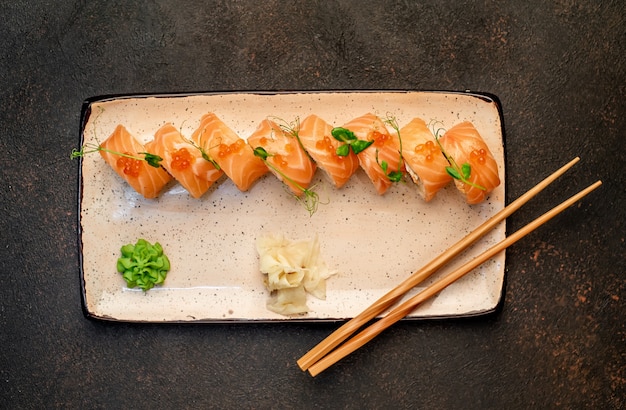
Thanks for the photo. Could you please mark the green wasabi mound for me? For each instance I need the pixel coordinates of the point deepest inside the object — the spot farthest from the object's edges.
(143, 264)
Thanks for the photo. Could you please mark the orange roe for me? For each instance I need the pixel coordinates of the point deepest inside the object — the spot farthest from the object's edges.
(429, 150)
(280, 160)
(326, 144)
(237, 145)
(181, 159)
(130, 166)
(379, 138)
(478, 155)
(226, 149)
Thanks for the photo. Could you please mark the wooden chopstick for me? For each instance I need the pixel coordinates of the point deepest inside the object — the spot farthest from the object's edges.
(408, 306)
(390, 298)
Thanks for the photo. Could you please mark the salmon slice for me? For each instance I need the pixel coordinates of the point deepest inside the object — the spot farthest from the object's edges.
(232, 154)
(464, 145)
(317, 140)
(425, 162)
(143, 177)
(184, 161)
(369, 127)
(288, 160)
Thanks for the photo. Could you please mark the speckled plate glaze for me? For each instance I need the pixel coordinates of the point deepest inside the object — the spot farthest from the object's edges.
(373, 241)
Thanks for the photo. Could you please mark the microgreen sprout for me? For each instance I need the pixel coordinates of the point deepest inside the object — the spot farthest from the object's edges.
(151, 159)
(89, 148)
(292, 129)
(310, 199)
(350, 141)
(203, 150)
(461, 173)
(394, 176)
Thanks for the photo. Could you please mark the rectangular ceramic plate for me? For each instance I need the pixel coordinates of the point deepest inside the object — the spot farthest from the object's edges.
(373, 241)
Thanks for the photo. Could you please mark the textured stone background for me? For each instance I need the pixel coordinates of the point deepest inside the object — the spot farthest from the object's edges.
(559, 70)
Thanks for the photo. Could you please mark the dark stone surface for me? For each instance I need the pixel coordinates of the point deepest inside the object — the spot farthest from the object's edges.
(559, 69)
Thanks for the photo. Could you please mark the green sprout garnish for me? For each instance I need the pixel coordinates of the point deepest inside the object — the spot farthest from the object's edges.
(203, 150)
(151, 159)
(143, 264)
(310, 200)
(205, 154)
(461, 173)
(292, 129)
(350, 141)
(394, 176)
(88, 148)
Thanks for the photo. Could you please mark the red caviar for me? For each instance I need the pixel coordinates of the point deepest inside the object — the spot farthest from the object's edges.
(379, 138)
(327, 145)
(280, 160)
(478, 155)
(130, 166)
(181, 159)
(429, 150)
(227, 149)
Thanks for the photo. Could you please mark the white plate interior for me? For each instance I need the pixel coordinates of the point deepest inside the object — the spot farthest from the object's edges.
(373, 241)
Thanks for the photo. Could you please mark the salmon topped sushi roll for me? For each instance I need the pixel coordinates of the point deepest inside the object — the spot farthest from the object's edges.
(234, 156)
(138, 173)
(184, 161)
(464, 145)
(425, 162)
(385, 149)
(286, 158)
(315, 136)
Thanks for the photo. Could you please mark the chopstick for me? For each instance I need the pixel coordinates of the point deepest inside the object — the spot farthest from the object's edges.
(391, 297)
(408, 306)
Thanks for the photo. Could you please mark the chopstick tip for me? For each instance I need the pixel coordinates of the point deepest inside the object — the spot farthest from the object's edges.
(302, 365)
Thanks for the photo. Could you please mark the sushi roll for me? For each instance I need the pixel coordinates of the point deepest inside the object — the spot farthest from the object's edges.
(316, 138)
(462, 144)
(424, 160)
(286, 158)
(184, 161)
(141, 176)
(232, 154)
(385, 149)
